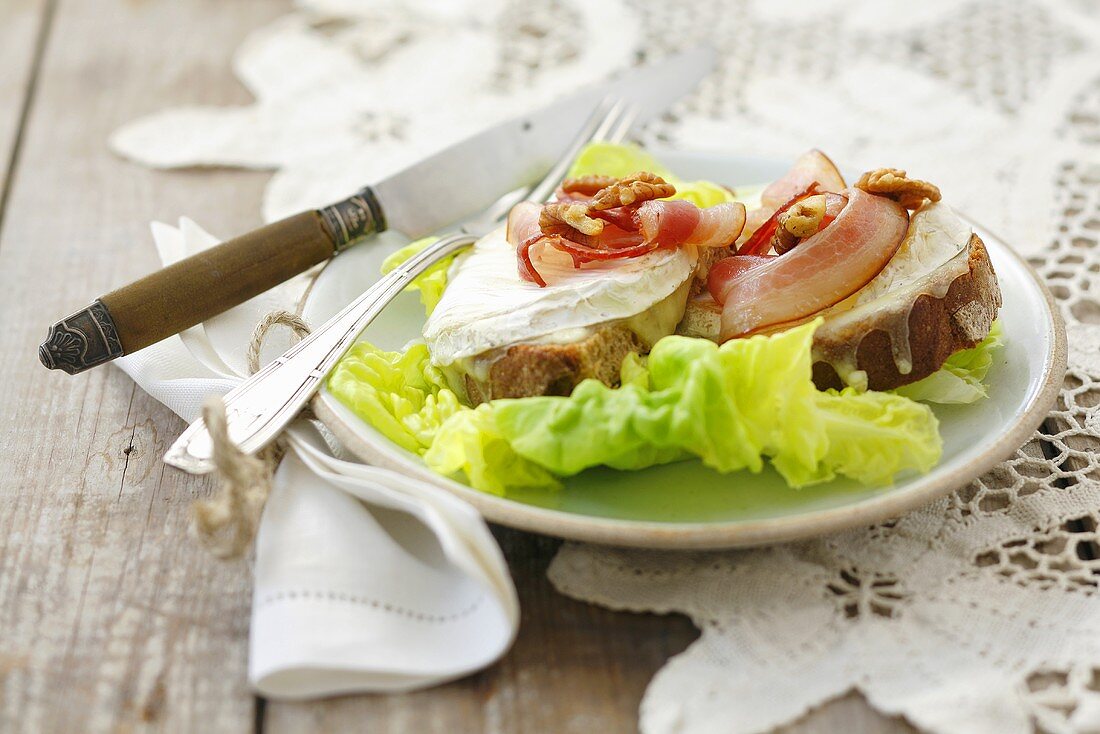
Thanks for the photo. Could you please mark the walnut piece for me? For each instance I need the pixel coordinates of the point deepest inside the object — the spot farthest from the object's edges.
(634, 189)
(572, 220)
(588, 185)
(893, 184)
(560, 217)
(804, 217)
(802, 220)
(783, 241)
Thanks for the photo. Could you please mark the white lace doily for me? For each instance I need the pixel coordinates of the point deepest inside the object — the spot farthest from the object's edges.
(978, 613)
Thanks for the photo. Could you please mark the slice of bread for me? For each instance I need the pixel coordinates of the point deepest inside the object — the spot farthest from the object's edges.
(524, 370)
(898, 338)
(906, 336)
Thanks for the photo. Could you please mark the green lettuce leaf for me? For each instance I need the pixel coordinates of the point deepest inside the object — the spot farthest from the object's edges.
(872, 436)
(961, 379)
(407, 400)
(399, 393)
(732, 406)
(633, 371)
(470, 443)
(432, 282)
(610, 159)
(625, 428)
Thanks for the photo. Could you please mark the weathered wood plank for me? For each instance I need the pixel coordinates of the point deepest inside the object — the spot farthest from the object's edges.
(109, 617)
(22, 26)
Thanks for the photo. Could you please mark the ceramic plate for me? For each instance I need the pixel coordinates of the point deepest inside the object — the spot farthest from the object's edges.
(686, 505)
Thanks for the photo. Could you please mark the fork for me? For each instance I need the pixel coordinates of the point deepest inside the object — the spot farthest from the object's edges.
(260, 408)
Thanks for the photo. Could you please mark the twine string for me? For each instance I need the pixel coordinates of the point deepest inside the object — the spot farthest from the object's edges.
(226, 523)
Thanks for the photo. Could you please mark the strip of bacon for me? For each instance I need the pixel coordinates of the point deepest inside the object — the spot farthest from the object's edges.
(761, 240)
(728, 268)
(623, 217)
(674, 223)
(630, 231)
(834, 204)
(589, 254)
(524, 233)
(812, 167)
(822, 270)
(615, 237)
(526, 268)
(523, 222)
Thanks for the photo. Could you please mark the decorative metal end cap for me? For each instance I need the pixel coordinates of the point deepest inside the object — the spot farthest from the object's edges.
(352, 219)
(81, 341)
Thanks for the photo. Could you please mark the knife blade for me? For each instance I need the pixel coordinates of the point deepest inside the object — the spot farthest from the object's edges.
(501, 158)
(521, 150)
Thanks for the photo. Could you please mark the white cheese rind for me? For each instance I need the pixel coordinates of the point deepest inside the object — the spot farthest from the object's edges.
(487, 305)
(936, 235)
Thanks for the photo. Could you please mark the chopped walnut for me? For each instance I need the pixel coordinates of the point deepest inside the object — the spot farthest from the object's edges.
(802, 220)
(589, 185)
(634, 189)
(804, 217)
(568, 218)
(893, 184)
(783, 241)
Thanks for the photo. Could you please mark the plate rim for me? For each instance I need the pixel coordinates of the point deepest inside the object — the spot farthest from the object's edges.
(728, 534)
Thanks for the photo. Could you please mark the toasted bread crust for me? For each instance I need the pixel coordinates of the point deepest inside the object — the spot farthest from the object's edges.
(555, 369)
(938, 327)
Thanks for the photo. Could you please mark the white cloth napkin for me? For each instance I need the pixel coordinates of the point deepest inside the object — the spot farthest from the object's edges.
(365, 579)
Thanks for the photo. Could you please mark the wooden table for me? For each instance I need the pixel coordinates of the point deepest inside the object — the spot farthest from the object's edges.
(110, 617)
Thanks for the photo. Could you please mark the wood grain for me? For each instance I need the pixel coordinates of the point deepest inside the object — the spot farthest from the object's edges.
(22, 37)
(109, 617)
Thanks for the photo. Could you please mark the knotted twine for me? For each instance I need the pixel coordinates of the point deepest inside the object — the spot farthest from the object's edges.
(226, 523)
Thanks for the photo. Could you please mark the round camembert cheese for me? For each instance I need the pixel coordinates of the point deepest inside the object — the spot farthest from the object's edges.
(487, 305)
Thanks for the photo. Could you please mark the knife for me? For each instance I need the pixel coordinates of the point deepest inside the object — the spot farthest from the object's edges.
(446, 187)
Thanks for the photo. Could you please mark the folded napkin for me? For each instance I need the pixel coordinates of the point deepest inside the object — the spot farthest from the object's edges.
(365, 579)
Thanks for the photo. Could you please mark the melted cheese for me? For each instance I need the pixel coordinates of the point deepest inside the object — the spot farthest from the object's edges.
(487, 305)
(933, 254)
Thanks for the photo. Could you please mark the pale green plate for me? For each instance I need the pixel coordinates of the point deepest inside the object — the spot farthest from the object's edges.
(686, 505)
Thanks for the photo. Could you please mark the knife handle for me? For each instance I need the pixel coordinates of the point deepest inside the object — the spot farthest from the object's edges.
(205, 284)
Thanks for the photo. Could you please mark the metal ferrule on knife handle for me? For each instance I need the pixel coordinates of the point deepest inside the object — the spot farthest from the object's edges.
(352, 219)
(199, 287)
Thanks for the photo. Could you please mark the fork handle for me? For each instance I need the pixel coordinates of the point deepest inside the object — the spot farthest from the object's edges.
(263, 405)
(196, 288)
